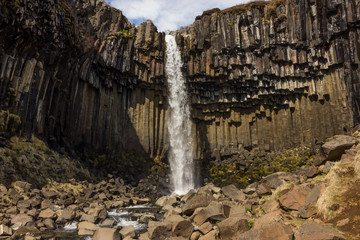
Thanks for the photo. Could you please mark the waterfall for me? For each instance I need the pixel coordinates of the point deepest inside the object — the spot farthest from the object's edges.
(179, 123)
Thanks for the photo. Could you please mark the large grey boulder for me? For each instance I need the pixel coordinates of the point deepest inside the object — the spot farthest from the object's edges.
(334, 148)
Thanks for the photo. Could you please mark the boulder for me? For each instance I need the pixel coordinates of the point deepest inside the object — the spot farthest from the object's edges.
(5, 230)
(25, 186)
(205, 228)
(268, 219)
(86, 228)
(278, 231)
(65, 215)
(21, 220)
(106, 234)
(49, 194)
(146, 218)
(233, 226)
(295, 198)
(199, 200)
(195, 236)
(49, 223)
(309, 208)
(180, 226)
(315, 231)
(336, 146)
(214, 211)
(160, 231)
(47, 213)
(23, 204)
(263, 189)
(128, 231)
(107, 223)
(237, 211)
(234, 193)
(213, 235)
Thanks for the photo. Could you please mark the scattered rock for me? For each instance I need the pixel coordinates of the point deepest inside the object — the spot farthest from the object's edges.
(128, 231)
(337, 145)
(315, 231)
(106, 234)
(5, 230)
(86, 228)
(232, 227)
(199, 200)
(233, 193)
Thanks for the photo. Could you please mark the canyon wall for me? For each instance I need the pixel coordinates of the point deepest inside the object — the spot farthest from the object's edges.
(267, 75)
(80, 75)
(273, 75)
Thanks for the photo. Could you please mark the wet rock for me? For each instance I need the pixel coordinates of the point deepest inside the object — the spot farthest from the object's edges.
(106, 234)
(315, 231)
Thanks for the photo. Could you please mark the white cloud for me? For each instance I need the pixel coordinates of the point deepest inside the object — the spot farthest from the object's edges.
(169, 14)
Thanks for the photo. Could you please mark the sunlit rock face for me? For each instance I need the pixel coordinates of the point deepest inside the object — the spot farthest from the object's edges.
(267, 75)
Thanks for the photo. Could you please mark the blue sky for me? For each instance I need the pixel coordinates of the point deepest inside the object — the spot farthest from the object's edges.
(168, 14)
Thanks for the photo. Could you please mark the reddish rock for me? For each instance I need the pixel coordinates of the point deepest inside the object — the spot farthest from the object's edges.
(315, 231)
(233, 226)
(106, 234)
(205, 228)
(234, 193)
(295, 198)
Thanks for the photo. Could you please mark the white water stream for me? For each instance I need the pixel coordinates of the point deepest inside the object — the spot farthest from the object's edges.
(179, 123)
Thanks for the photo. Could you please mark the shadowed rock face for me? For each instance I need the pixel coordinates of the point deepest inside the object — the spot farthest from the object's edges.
(263, 75)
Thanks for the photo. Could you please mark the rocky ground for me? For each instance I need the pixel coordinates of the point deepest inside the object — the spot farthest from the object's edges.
(315, 202)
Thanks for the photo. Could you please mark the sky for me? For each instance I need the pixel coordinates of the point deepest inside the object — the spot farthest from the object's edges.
(168, 14)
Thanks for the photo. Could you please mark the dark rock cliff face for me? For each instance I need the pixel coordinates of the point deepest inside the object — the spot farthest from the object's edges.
(80, 75)
(267, 75)
(273, 75)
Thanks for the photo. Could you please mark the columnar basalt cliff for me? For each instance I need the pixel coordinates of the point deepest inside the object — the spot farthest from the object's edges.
(267, 75)
(273, 75)
(82, 76)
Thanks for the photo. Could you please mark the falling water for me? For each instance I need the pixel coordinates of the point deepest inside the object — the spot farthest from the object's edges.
(179, 123)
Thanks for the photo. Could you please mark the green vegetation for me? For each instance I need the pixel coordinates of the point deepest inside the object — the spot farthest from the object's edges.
(251, 224)
(10, 124)
(124, 34)
(231, 171)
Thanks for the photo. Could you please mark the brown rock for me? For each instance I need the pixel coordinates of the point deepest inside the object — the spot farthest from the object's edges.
(86, 228)
(315, 231)
(199, 200)
(232, 192)
(128, 231)
(263, 189)
(160, 231)
(49, 194)
(205, 228)
(233, 226)
(49, 223)
(65, 215)
(214, 211)
(106, 234)
(180, 226)
(21, 220)
(213, 235)
(278, 231)
(268, 219)
(335, 147)
(309, 208)
(295, 198)
(47, 213)
(5, 230)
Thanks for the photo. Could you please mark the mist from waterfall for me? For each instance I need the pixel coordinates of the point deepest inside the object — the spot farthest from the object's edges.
(179, 123)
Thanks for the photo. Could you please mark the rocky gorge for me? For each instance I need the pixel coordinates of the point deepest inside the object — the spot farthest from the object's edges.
(273, 86)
